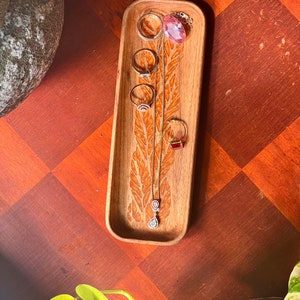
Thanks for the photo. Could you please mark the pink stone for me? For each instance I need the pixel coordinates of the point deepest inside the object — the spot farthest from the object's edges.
(174, 29)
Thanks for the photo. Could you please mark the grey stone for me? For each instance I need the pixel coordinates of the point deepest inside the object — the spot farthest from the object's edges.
(29, 38)
(3, 8)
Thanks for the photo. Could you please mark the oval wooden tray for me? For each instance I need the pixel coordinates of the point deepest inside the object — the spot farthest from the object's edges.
(131, 173)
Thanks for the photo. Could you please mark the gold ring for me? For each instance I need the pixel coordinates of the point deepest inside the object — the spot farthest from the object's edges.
(144, 61)
(149, 26)
(175, 133)
(142, 96)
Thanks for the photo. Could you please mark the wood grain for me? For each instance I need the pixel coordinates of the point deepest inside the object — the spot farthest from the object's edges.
(141, 285)
(88, 167)
(130, 145)
(20, 167)
(276, 171)
(252, 217)
(151, 141)
(218, 5)
(111, 11)
(248, 116)
(218, 168)
(60, 97)
(293, 6)
(241, 244)
(49, 225)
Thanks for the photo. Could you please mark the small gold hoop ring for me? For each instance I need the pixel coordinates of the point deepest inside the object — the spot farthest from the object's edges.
(142, 96)
(144, 62)
(149, 26)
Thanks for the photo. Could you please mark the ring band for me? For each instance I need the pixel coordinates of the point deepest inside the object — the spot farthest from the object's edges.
(184, 18)
(176, 137)
(144, 61)
(142, 96)
(149, 26)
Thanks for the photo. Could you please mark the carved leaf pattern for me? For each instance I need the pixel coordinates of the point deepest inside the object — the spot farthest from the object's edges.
(150, 142)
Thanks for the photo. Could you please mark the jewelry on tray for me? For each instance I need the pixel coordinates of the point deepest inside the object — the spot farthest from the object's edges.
(149, 26)
(154, 28)
(142, 96)
(177, 26)
(144, 62)
(154, 222)
(175, 133)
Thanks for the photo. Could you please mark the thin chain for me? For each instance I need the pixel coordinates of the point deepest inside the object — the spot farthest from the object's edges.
(162, 118)
(159, 48)
(153, 139)
(156, 201)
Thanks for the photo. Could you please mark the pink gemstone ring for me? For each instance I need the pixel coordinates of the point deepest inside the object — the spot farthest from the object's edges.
(177, 26)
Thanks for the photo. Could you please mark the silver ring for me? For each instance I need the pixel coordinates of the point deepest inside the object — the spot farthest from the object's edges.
(183, 17)
(142, 96)
(149, 26)
(176, 135)
(144, 62)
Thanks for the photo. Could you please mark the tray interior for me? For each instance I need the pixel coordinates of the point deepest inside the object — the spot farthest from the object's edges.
(137, 172)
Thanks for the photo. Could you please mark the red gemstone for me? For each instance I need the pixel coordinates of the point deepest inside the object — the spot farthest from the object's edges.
(176, 145)
(174, 29)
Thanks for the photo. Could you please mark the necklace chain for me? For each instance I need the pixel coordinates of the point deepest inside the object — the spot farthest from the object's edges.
(160, 130)
(159, 86)
(156, 201)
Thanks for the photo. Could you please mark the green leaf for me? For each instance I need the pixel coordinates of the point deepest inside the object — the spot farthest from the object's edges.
(63, 297)
(87, 292)
(292, 296)
(295, 288)
(118, 292)
(294, 280)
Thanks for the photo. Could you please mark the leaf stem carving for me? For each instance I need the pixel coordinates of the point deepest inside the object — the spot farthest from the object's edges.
(151, 150)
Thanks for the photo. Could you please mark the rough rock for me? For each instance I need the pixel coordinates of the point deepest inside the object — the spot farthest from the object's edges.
(29, 37)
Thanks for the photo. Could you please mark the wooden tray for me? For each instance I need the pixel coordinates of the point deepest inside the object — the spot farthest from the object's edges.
(131, 174)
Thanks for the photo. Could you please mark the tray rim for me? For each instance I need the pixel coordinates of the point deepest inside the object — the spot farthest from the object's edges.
(182, 233)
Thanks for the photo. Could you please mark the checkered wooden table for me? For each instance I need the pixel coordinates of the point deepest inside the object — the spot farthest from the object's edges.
(243, 238)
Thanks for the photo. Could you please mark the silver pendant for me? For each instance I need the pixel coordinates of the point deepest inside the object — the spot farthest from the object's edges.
(153, 223)
(143, 107)
(155, 205)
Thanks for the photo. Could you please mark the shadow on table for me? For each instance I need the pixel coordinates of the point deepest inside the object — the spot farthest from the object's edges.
(14, 285)
(200, 174)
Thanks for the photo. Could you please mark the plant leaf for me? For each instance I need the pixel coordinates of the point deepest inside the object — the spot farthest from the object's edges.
(63, 297)
(87, 292)
(292, 296)
(118, 292)
(295, 288)
(294, 280)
